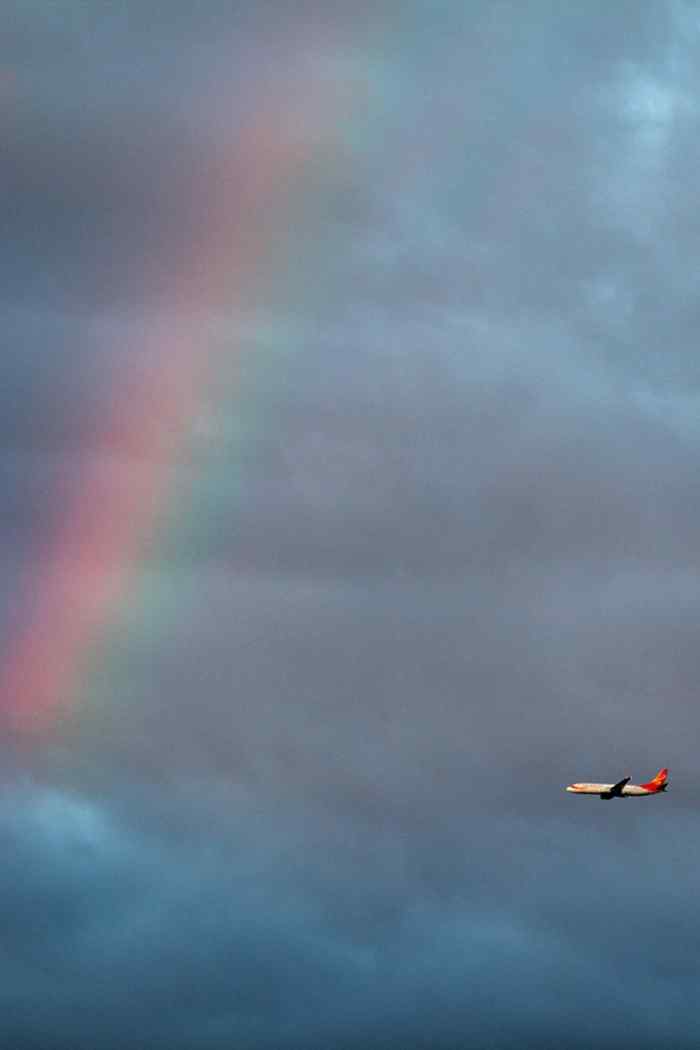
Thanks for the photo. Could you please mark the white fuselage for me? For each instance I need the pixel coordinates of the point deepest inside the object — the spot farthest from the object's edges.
(599, 789)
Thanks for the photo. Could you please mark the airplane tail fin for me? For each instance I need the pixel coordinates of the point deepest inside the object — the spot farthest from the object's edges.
(659, 781)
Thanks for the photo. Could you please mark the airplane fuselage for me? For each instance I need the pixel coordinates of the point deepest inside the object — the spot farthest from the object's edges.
(604, 789)
(623, 788)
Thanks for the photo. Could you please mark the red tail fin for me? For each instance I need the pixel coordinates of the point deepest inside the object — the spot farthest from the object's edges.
(659, 781)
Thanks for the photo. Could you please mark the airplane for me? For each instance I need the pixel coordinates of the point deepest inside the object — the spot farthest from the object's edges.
(623, 788)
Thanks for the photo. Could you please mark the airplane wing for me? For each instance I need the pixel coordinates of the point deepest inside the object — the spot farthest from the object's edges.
(616, 789)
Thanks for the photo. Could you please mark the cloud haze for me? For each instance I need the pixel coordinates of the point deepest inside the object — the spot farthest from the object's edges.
(349, 439)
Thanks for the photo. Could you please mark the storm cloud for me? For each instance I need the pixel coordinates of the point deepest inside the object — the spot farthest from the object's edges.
(423, 545)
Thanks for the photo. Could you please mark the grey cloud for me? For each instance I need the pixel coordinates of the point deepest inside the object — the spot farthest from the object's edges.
(431, 551)
(430, 469)
(181, 950)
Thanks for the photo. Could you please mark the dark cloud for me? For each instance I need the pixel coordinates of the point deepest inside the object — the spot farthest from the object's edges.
(429, 550)
(135, 940)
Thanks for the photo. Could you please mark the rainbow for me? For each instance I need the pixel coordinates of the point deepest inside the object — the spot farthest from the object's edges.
(98, 546)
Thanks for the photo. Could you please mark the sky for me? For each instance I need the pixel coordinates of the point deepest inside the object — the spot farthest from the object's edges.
(349, 438)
